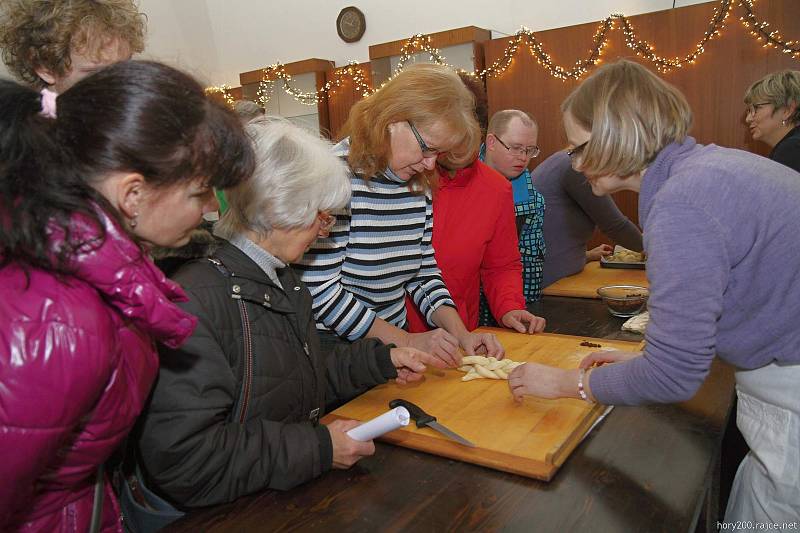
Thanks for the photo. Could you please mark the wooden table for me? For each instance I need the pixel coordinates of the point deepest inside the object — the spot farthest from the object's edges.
(584, 284)
(642, 469)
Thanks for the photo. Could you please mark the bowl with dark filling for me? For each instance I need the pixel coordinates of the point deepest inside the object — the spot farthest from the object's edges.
(624, 301)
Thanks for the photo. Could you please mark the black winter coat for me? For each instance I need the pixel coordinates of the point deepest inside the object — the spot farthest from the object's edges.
(227, 419)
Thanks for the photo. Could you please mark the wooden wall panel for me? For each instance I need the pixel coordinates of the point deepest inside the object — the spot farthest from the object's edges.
(439, 40)
(714, 85)
(341, 99)
(251, 80)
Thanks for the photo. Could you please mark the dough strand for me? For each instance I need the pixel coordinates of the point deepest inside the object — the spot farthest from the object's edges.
(478, 366)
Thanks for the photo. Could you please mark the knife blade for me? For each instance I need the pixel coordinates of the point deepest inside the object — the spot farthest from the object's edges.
(423, 419)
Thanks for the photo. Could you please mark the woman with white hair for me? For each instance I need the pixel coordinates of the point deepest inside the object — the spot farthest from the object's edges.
(236, 409)
(720, 232)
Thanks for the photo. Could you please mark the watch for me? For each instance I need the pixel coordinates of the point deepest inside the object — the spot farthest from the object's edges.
(351, 24)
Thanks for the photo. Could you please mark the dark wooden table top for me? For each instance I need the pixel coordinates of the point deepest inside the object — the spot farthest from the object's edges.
(642, 469)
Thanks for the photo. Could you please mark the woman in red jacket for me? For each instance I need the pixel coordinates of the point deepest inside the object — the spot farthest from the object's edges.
(475, 239)
(123, 160)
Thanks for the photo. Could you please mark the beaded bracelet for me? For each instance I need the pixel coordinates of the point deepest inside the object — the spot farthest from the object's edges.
(581, 390)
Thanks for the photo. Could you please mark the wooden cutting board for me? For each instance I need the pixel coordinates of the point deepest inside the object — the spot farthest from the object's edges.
(585, 284)
(532, 439)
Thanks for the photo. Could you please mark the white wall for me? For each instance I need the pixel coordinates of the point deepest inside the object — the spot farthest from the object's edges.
(218, 39)
(179, 33)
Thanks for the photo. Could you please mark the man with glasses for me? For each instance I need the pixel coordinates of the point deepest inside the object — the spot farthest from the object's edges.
(510, 145)
(475, 240)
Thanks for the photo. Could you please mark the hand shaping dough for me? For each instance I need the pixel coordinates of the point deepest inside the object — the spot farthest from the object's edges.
(478, 366)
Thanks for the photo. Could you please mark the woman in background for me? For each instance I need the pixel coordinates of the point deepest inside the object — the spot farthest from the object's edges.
(124, 160)
(773, 115)
(723, 254)
(247, 110)
(380, 248)
(572, 214)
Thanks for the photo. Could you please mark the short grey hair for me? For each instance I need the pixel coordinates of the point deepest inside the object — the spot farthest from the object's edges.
(297, 175)
(247, 110)
(781, 89)
(499, 122)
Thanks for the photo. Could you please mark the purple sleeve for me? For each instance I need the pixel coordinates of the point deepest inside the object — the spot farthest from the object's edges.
(688, 270)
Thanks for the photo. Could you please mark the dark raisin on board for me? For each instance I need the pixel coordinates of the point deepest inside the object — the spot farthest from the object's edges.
(591, 344)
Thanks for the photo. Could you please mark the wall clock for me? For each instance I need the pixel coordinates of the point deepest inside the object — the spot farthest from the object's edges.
(351, 24)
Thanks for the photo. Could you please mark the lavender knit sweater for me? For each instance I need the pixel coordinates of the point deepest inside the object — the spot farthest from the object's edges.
(722, 235)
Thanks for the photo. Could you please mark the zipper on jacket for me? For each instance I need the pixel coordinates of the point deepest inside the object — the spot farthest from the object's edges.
(313, 414)
(248, 361)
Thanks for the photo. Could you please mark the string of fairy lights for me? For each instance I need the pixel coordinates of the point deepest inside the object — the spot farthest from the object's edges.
(276, 73)
(224, 90)
(526, 36)
(663, 64)
(771, 39)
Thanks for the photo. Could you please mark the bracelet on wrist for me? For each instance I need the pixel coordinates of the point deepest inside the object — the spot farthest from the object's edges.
(581, 389)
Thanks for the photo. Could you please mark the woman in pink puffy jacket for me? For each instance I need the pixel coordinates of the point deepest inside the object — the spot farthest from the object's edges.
(124, 160)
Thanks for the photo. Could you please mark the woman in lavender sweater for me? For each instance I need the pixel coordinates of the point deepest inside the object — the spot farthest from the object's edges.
(720, 231)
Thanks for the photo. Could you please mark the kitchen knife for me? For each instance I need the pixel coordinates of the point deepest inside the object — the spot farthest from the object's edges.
(423, 419)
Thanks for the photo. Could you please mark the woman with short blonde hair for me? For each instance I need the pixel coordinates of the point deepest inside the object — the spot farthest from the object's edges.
(773, 115)
(632, 114)
(723, 252)
(380, 248)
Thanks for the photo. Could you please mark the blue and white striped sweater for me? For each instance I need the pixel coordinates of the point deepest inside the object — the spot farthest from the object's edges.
(379, 249)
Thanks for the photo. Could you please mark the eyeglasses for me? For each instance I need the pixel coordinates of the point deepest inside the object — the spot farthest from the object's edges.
(575, 152)
(326, 223)
(427, 151)
(529, 152)
(752, 109)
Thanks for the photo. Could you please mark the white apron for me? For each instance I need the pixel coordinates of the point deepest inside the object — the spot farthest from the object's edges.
(767, 485)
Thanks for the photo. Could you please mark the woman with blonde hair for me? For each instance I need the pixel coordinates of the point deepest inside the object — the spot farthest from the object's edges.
(773, 115)
(380, 249)
(720, 229)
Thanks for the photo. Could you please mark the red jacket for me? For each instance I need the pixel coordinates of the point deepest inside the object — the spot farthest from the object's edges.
(77, 361)
(475, 242)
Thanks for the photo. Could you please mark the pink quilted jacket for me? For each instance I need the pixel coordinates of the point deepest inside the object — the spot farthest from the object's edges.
(77, 360)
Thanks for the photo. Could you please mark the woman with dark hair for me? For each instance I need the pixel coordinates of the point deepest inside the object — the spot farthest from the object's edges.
(124, 160)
